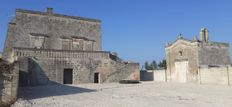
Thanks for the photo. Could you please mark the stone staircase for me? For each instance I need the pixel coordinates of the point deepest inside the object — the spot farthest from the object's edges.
(122, 72)
(40, 77)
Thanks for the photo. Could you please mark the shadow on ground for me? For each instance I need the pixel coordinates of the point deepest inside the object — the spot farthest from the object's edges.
(34, 83)
(50, 91)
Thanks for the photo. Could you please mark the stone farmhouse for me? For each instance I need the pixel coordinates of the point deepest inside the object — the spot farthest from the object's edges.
(186, 57)
(55, 48)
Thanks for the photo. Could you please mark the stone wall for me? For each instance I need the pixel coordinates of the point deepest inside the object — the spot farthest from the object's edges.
(146, 75)
(120, 71)
(154, 75)
(33, 29)
(159, 75)
(215, 75)
(182, 50)
(214, 54)
(9, 43)
(46, 44)
(8, 82)
(195, 53)
(42, 66)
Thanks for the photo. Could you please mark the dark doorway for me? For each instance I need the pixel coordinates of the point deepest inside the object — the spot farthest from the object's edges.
(23, 79)
(96, 77)
(68, 76)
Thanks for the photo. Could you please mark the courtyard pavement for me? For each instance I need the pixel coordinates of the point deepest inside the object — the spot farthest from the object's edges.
(146, 94)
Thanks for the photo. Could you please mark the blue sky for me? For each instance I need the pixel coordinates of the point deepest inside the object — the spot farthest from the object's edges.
(137, 29)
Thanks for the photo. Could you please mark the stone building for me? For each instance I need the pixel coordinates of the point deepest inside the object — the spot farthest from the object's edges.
(185, 57)
(56, 48)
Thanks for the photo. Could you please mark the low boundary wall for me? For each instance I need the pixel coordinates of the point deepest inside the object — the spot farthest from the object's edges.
(153, 75)
(215, 75)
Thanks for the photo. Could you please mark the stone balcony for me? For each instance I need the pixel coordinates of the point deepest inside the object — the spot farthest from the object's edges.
(48, 53)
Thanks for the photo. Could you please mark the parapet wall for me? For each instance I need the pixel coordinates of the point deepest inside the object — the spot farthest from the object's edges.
(214, 54)
(217, 44)
(46, 53)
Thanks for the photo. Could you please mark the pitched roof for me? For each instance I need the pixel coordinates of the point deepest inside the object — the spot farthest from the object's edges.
(181, 38)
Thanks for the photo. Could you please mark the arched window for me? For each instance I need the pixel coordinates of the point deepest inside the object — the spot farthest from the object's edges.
(180, 53)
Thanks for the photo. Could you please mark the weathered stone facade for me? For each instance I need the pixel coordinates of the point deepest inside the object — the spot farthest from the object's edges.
(9, 74)
(184, 57)
(52, 48)
(45, 30)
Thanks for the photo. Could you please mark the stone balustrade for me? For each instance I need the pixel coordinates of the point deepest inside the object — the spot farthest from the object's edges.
(48, 53)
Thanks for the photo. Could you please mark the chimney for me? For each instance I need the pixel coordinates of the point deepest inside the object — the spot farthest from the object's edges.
(49, 10)
(204, 35)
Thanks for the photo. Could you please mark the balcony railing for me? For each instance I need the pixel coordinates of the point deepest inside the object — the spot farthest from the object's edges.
(48, 53)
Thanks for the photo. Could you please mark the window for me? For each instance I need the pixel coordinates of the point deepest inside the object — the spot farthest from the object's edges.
(89, 45)
(77, 44)
(37, 42)
(180, 53)
(66, 44)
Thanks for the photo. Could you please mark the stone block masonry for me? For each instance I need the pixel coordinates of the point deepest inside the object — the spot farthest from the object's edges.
(215, 75)
(9, 74)
(54, 48)
(158, 75)
(46, 66)
(184, 57)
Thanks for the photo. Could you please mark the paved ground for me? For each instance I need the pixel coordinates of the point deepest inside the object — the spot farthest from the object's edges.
(148, 94)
